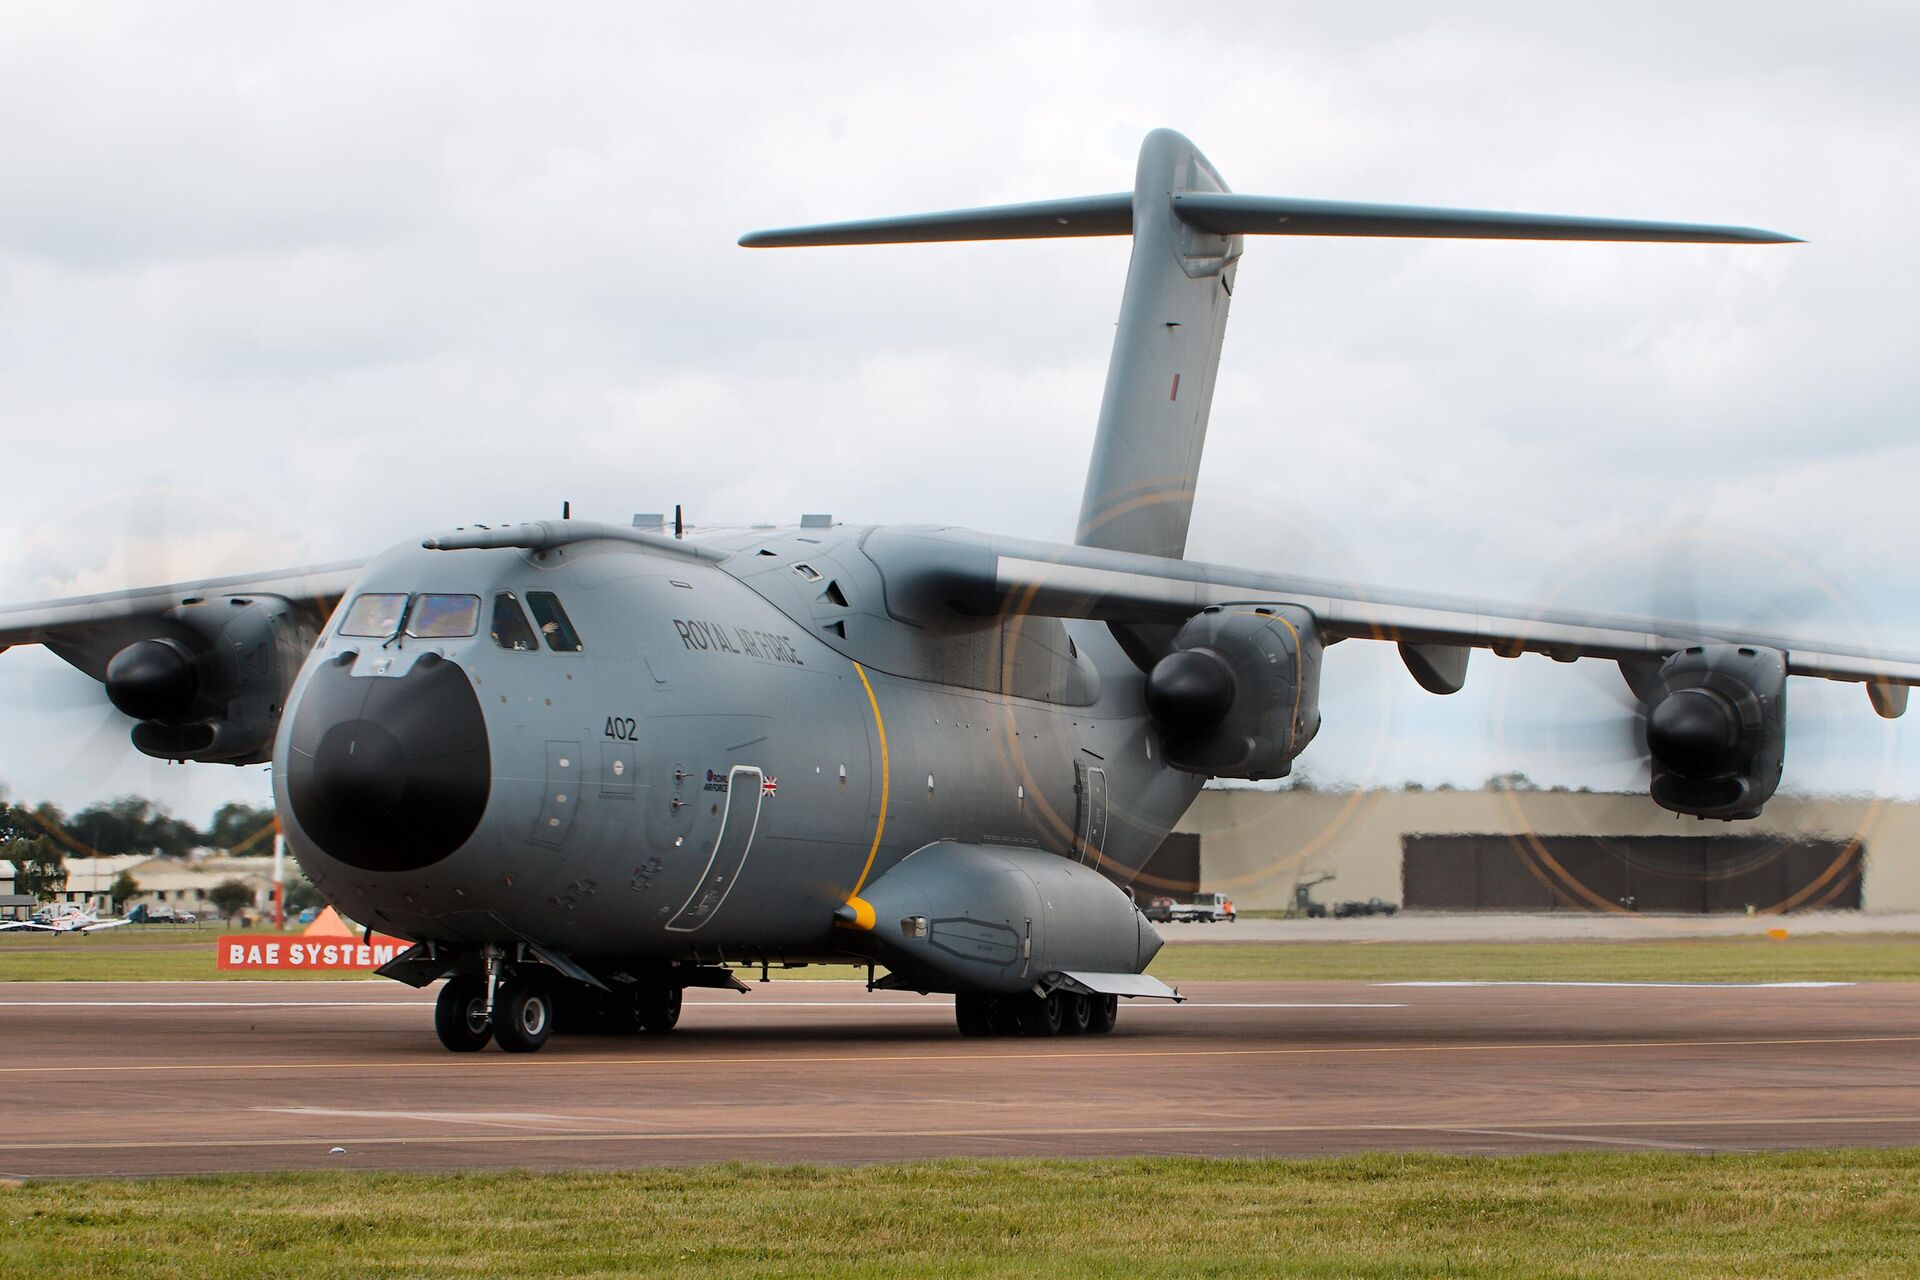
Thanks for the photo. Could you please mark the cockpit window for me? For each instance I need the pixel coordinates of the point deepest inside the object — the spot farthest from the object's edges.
(552, 621)
(510, 627)
(374, 615)
(443, 617)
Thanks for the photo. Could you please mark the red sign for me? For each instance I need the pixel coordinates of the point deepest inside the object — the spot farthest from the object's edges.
(240, 951)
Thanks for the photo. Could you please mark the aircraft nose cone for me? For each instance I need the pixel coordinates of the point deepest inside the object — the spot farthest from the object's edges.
(389, 774)
(1695, 733)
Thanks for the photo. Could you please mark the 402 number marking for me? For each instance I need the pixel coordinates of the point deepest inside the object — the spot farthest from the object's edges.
(622, 728)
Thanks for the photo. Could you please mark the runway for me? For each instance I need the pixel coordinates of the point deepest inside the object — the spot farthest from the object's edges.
(154, 1078)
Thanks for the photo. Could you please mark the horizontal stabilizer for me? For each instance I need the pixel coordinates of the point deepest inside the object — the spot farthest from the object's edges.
(1110, 215)
(1229, 214)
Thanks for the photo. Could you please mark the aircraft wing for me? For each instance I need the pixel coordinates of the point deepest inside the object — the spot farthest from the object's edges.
(982, 574)
(11, 925)
(87, 631)
(98, 925)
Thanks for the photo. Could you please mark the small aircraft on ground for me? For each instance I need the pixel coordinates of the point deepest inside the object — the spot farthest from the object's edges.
(585, 766)
(64, 917)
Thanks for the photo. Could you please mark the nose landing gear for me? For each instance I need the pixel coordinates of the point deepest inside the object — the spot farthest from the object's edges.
(460, 1015)
(529, 1006)
(522, 1015)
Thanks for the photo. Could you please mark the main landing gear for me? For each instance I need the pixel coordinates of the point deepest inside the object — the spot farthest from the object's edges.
(1056, 1013)
(530, 1007)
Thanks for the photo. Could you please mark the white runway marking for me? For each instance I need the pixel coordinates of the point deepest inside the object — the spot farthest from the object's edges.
(934, 1005)
(1276, 1004)
(1646, 985)
(214, 1004)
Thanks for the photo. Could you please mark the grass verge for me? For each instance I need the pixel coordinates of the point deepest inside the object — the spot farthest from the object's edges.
(1801, 1214)
(1871, 957)
(153, 953)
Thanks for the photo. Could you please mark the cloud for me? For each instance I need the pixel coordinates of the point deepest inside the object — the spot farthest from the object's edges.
(333, 278)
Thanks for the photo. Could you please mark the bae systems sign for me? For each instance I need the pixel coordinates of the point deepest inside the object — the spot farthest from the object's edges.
(242, 952)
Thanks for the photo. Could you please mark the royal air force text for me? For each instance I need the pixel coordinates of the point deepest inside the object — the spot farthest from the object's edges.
(713, 637)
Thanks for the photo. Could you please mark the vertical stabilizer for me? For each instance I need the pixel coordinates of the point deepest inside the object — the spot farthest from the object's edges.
(1166, 355)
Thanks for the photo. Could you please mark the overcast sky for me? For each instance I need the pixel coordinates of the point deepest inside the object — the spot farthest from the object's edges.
(285, 284)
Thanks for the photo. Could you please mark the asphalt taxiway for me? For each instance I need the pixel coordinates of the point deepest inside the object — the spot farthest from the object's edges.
(148, 1078)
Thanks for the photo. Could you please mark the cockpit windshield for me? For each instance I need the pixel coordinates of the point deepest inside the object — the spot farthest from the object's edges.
(553, 622)
(443, 617)
(376, 615)
(510, 628)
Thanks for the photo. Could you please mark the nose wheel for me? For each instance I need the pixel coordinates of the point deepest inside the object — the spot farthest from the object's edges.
(460, 1015)
(522, 1015)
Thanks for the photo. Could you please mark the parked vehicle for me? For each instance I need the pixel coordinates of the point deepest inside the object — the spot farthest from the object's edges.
(1158, 909)
(1371, 907)
(160, 915)
(1205, 908)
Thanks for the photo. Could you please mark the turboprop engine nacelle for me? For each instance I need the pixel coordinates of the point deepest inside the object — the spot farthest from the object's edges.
(971, 917)
(212, 685)
(1238, 695)
(1716, 729)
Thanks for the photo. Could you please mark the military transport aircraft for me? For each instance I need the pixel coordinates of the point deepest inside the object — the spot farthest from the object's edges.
(585, 766)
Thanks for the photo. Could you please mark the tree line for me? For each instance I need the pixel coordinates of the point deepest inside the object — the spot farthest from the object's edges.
(38, 839)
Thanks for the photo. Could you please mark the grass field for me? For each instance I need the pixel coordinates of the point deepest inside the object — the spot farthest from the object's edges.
(1878, 957)
(158, 953)
(187, 953)
(1804, 1214)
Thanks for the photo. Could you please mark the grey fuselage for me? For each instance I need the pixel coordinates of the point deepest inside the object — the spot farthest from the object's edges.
(776, 693)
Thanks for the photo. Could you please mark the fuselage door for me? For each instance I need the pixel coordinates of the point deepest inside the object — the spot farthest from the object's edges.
(730, 849)
(1092, 826)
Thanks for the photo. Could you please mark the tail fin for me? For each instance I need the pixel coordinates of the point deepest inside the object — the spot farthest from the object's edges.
(1186, 227)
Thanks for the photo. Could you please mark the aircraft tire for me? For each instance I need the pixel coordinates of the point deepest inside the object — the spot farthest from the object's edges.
(1076, 1012)
(1104, 1011)
(619, 1014)
(522, 1015)
(578, 1010)
(460, 1016)
(1038, 1016)
(657, 1009)
(974, 1013)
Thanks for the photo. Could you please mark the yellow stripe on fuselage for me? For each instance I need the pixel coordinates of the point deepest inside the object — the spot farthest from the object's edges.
(886, 780)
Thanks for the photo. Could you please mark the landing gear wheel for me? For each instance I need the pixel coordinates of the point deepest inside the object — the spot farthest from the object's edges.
(522, 1016)
(1102, 1011)
(1038, 1015)
(657, 1009)
(1076, 1012)
(460, 1015)
(974, 1012)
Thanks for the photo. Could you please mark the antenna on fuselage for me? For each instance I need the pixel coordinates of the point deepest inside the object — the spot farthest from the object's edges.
(679, 525)
(566, 510)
